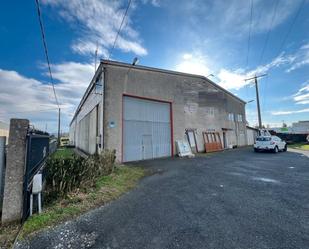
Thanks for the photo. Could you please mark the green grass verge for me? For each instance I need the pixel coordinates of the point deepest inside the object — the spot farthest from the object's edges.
(107, 188)
(301, 146)
(63, 153)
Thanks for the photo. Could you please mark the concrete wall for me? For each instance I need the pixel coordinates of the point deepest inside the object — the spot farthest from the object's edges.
(196, 104)
(251, 135)
(15, 169)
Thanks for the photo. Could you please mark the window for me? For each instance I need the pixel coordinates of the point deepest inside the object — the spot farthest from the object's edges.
(210, 111)
(239, 118)
(231, 117)
(263, 139)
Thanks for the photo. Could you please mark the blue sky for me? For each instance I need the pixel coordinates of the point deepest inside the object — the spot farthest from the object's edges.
(197, 36)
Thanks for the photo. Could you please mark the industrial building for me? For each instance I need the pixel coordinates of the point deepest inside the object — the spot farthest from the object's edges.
(141, 112)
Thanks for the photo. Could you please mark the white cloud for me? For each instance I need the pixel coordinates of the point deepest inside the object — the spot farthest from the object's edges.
(301, 58)
(290, 112)
(98, 22)
(197, 63)
(302, 96)
(194, 63)
(24, 97)
(235, 79)
(232, 79)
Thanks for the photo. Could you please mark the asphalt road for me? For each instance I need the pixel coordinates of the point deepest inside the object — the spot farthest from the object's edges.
(233, 199)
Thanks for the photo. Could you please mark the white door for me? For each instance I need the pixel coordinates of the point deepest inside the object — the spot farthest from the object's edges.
(147, 147)
(146, 129)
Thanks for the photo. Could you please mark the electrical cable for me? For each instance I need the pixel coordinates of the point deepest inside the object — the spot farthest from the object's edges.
(249, 36)
(269, 32)
(46, 50)
(291, 26)
(120, 27)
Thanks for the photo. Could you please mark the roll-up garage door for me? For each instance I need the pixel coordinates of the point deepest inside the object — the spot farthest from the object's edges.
(146, 129)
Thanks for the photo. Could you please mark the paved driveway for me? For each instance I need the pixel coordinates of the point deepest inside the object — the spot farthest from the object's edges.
(234, 199)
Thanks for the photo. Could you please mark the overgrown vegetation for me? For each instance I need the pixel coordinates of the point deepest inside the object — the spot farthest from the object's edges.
(106, 189)
(75, 185)
(66, 172)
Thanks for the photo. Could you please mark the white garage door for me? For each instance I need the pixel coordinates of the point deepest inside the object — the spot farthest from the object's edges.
(146, 129)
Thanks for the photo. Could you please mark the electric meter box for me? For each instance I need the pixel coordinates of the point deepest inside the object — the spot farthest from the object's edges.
(37, 184)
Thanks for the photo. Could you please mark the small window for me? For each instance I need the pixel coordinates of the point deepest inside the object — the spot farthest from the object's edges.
(231, 117)
(239, 118)
(210, 111)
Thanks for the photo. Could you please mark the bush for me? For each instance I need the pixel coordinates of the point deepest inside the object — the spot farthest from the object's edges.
(66, 174)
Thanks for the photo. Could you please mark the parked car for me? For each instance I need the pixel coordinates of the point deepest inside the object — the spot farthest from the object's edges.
(270, 143)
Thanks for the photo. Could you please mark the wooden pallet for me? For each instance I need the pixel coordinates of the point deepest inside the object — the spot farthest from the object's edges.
(212, 141)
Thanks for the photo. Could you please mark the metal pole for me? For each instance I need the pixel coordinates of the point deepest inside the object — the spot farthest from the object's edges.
(258, 102)
(58, 127)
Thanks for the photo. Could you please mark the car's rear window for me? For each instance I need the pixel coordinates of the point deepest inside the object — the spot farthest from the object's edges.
(263, 139)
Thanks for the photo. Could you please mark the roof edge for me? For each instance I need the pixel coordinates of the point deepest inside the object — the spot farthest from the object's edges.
(153, 69)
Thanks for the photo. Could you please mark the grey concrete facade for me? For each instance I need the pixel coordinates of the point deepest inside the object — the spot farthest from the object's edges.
(197, 103)
(14, 174)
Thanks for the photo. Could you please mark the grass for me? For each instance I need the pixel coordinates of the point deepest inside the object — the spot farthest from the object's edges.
(302, 146)
(63, 153)
(106, 189)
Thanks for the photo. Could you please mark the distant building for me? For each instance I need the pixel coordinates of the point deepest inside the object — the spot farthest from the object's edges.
(4, 130)
(301, 127)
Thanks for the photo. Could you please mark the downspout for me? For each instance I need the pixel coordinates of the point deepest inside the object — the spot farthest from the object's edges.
(103, 108)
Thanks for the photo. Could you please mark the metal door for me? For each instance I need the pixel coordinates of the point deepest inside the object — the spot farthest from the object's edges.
(147, 147)
(146, 129)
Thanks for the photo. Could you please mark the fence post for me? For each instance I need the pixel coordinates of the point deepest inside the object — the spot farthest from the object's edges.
(15, 170)
(2, 168)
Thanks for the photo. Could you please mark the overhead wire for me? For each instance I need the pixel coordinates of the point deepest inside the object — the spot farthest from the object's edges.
(263, 91)
(285, 38)
(119, 30)
(249, 41)
(269, 32)
(46, 51)
(289, 30)
(249, 36)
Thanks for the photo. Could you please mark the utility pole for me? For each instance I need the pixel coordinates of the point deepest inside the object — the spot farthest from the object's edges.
(257, 97)
(58, 127)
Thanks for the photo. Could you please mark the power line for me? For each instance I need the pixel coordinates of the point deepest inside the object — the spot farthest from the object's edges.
(46, 51)
(120, 27)
(269, 31)
(291, 26)
(249, 36)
